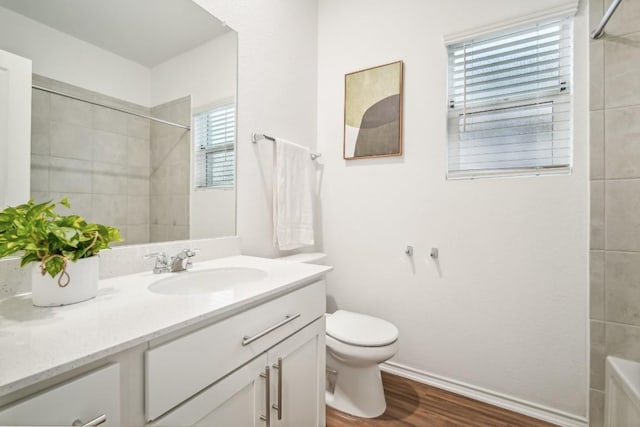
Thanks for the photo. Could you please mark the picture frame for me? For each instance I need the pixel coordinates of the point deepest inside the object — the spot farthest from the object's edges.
(373, 112)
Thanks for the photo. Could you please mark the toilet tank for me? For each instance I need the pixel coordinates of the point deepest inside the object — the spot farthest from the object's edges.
(307, 257)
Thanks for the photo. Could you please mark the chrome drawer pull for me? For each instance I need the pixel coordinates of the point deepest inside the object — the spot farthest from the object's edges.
(249, 340)
(267, 396)
(278, 406)
(95, 422)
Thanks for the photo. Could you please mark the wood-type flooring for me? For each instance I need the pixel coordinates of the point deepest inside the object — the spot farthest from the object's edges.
(412, 404)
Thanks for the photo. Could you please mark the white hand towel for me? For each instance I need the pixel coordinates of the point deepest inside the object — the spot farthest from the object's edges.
(292, 196)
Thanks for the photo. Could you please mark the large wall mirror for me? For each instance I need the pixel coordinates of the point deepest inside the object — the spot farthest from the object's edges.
(133, 112)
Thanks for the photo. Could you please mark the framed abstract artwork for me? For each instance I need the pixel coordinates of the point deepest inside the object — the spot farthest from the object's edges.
(373, 112)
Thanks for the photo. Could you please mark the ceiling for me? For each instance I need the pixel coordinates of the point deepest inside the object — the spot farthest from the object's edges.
(148, 32)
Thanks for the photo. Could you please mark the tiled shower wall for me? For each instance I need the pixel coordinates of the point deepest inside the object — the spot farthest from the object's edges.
(116, 168)
(170, 177)
(96, 156)
(615, 193)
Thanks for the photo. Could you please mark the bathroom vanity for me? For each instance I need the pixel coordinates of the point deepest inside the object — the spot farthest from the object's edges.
(249, 352)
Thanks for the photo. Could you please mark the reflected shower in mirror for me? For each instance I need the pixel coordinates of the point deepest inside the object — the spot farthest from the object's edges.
(133, 112)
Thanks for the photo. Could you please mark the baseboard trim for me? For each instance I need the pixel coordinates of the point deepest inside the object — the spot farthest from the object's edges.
(497, 399)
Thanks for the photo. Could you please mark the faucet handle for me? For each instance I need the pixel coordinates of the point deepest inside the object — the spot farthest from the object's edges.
(162, 264)
(190, 253)
(159, 256)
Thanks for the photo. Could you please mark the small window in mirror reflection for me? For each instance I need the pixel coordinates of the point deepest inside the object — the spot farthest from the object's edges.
(214, 135)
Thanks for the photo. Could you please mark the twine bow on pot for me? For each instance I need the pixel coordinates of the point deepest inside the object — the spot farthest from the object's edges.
(64, 274)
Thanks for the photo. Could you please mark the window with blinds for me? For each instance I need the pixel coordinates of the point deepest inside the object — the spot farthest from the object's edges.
(510, 102)
(214, 136)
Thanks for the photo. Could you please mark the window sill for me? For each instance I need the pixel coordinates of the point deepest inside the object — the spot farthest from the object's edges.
(221, 188)
(510, 173)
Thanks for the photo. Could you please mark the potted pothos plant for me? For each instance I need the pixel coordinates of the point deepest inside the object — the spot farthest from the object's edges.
(62, 249)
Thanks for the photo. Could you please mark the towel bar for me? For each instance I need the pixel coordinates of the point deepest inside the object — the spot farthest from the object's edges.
(255, 137)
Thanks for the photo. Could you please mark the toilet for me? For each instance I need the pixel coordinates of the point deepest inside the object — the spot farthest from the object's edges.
(356, 345)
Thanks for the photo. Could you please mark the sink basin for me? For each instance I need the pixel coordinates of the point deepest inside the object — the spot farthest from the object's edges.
(206, 281)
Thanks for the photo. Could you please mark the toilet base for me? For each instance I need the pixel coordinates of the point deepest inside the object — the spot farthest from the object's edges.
(358, 389)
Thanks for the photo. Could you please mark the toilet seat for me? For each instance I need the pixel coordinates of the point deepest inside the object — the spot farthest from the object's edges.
(360, 330)
(354, 355)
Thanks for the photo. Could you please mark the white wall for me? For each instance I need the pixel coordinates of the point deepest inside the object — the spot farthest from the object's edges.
(207, 73)
(277, 59)
(61, 57)
(505, 307)
(212, 213)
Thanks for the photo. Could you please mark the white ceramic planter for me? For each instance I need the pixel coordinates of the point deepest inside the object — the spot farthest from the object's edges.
(83, 284)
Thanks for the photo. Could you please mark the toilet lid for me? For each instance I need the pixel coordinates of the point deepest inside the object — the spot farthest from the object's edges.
(360, 329)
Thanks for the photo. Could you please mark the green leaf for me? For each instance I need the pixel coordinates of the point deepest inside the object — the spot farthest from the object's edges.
(42, 233)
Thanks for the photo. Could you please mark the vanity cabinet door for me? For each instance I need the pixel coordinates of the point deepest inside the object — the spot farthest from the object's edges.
(238, 400)
(298, 378)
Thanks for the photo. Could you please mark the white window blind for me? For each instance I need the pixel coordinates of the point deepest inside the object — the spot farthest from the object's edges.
(214, 146)
(510, 102)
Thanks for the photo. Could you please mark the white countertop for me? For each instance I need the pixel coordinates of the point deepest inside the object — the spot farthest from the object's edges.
(38, 343)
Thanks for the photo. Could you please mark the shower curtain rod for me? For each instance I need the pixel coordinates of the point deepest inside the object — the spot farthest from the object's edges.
(599, 31)
(255, 137)
(44, 89)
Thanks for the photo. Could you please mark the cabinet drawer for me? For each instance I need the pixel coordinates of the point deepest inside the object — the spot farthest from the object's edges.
(180, 368)
(82, 399)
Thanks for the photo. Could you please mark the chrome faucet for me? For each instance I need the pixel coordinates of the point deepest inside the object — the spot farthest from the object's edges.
(180, 262)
